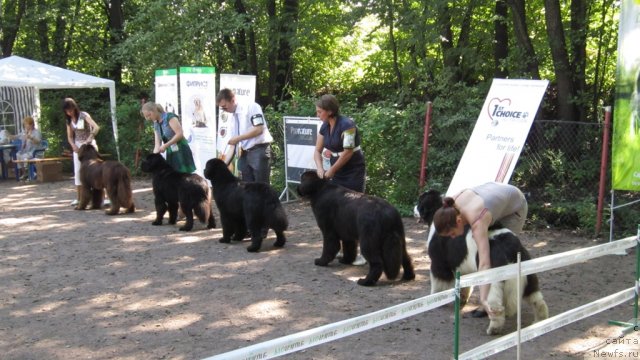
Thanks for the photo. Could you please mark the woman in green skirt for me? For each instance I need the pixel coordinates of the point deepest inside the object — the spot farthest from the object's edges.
(169, 137)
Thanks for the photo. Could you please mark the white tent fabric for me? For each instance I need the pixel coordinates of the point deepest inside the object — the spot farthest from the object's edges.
(17, 71)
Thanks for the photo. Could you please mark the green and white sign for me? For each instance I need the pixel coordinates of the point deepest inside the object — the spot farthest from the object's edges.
(625, 157)
(197, 104)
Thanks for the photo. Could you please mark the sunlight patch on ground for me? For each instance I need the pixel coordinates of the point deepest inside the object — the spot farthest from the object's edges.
(118, 264)
(48, 307)
(253, 334)
(189, 239)
(137, 191)
(104, 298)
(122, 218)
(142, 239)
(172, 323)
(183, 259)
(16, 221)
(271, 309)
(221, 276)
(408, 238)
(138, 284)
(540, 244)
(155, 303)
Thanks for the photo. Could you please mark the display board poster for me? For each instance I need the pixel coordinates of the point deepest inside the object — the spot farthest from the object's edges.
(625, 151)
(166, 88)
(197, 102)
(244, 86)
(499, 134)
(300, 135)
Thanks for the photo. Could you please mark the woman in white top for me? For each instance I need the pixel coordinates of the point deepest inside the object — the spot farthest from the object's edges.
(81, 129)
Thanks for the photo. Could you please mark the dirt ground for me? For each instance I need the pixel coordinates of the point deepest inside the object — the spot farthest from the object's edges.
(83, 285)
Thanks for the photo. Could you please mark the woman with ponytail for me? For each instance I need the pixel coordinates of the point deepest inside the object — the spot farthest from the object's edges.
(481, 207)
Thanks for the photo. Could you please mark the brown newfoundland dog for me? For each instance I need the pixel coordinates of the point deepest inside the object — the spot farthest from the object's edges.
(245, 205)
(172, 189)
(346, 217)
(98, 175)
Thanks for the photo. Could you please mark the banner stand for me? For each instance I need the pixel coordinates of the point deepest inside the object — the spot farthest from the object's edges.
(300, 135)
(285, 194)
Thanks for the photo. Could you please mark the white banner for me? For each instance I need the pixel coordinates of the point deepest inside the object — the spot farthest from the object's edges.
(198, 99)
(500, 132)
(167, 90)
(244, 86)
(300, 135)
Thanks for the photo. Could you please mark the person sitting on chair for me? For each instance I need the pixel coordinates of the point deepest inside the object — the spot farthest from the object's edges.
(31, 140)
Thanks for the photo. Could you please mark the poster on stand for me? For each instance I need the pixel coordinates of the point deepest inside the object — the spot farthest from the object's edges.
(625, 150)
(197, 102)
(499, 134)
(166, 88)
(300, 135)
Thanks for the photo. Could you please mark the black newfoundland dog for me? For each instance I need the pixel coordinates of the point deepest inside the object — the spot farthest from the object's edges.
(98, 175)
(172, 189)
(245, 205)
(347, 217)
(449, 255)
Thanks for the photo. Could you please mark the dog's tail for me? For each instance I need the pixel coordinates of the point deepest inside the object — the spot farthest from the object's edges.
(278, 220)
(124, 193)
(393, 246)
(202, 209)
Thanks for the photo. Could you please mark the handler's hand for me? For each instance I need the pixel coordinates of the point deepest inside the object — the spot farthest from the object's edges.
(320, 173)
(487, 308)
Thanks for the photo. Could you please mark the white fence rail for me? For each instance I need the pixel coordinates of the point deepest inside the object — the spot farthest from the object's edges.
(326, 333)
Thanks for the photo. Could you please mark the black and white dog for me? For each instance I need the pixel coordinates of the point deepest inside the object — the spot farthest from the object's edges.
(449, 255)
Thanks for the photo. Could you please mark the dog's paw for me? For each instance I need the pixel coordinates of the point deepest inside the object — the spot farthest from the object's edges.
(496, 326)
(408, 276)
(224, 240)
(343, 261)
(253, 248)
(157, 222)
(365, 282)
(320, 262)
(279, 242)
(185, 228)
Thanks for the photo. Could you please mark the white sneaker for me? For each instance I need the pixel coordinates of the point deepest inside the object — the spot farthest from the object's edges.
(359, 261)
(106, 202)
(74, 202)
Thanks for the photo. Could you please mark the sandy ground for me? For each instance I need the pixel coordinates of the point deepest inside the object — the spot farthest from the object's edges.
(83, 285)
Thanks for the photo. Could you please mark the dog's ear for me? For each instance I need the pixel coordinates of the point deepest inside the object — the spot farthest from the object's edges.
(428, 203)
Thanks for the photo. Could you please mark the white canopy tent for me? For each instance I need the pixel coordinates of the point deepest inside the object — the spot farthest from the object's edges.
(16, 71)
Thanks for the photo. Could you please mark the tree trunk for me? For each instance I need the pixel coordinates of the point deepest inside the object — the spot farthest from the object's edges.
(394, 46)
(272, 52)
(116, 35)
(449, 59)
(532, 66)
(287, 33)
(241, 41)
(10, 18)
(501, 36)
(579, 10)
(562, 67)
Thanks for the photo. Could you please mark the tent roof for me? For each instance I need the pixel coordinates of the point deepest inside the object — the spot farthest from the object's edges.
(18, 71)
